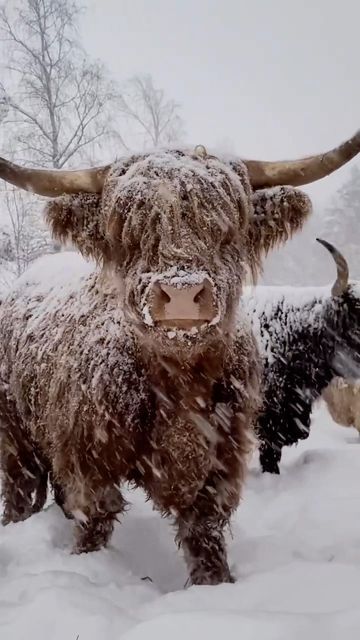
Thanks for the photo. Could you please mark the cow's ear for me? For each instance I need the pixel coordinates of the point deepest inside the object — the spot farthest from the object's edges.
(277, 214)
(77, 219)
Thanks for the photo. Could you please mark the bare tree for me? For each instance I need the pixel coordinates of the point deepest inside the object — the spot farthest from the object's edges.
(61, 103)
(56, 108)
(27, 238)
(59, 107)
(151, 115)
(4, 103)
(6, 246)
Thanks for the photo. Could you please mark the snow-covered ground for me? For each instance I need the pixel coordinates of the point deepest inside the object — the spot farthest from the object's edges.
(295, 550)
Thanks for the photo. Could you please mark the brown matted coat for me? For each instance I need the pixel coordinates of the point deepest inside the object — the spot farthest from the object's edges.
(93, 392)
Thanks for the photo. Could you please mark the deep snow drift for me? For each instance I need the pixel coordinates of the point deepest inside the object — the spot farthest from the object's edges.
(295, 551)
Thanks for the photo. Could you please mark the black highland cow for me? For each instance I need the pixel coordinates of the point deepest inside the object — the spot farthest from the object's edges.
(307, 338)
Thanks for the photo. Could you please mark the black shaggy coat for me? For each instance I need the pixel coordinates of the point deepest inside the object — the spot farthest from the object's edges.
(306, 338)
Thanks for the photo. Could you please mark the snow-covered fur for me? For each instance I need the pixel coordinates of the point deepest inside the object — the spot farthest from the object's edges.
(92, 392)
(82, 396)
(342, 399)
(306, 337)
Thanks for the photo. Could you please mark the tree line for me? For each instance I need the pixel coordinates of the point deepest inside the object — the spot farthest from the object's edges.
(302, 262)
(59, 108)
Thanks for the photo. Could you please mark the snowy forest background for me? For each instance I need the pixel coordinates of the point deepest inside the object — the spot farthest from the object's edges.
(60, 108)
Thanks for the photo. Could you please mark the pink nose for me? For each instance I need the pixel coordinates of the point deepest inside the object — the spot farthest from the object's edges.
(184, 307)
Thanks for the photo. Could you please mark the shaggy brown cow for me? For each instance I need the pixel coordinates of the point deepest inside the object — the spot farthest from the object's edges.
(342, 399)
(134, 371)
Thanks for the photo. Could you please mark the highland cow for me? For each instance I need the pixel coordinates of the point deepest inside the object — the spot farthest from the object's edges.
(306, 338)
(138, 370)
(342, 398)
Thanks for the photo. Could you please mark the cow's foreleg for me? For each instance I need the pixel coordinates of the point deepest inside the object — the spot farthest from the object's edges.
(94, 533)
(22, 476)
(203, 543)
(201, 527)
(270, 458)
(201, 530)
(94, 508)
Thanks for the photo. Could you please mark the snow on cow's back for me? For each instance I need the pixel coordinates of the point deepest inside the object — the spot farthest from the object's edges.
(49, 281)
(272, 309)
(261, 302)
(267, 297)
(61, 272)
(56, 285)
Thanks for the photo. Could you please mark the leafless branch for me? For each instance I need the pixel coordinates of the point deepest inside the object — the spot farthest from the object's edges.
(28, 237)
(61, 101)
(155, 116)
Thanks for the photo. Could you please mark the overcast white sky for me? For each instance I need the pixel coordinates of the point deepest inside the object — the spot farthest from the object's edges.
(274, 78)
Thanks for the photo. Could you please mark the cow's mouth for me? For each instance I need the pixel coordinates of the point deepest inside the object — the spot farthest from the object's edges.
(183, 324)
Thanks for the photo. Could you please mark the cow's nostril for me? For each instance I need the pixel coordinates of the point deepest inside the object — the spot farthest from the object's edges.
(199, 296)
(164, 297)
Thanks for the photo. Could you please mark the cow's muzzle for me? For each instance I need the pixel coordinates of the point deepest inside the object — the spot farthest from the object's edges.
(182, 306)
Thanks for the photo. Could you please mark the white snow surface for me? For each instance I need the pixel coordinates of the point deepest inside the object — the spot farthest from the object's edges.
(294, 549)
(58, 273)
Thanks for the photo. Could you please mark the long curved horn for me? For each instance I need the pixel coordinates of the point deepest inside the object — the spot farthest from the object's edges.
(304, 171)
(342, 279)
(53, 182)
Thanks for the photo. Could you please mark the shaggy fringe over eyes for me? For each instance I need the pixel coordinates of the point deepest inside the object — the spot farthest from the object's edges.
(179, 214)
(77, 218)
(278, 214)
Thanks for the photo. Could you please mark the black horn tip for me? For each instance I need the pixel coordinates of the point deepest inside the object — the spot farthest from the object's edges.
(330, 247)
(342, 268)
(324, 243)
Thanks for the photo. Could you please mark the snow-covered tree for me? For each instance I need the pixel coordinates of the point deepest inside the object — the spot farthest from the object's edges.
(6, 247)
(25, 237)
(341, 221)
(56, 110)
(153, 118)
(4, 103)
(60, 101)
(61, 109)
(299, 262)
